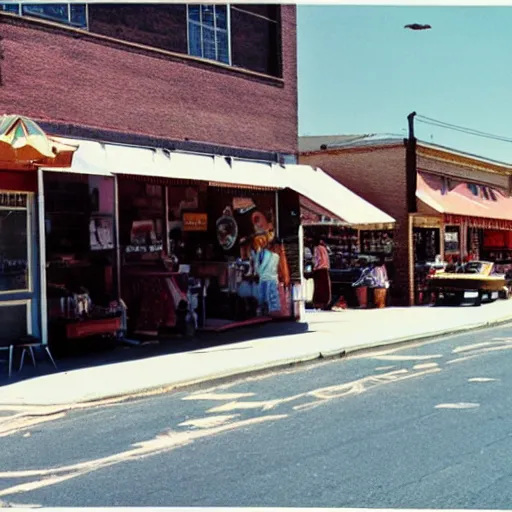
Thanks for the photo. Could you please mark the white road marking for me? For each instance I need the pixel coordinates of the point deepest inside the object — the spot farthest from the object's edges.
(468, 348)
(160, 444)
(209, 421)
(459, 405)
(424, 366)
(217, 396)
(408, 358)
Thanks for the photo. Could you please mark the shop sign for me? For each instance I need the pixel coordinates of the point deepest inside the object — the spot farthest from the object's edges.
(243, 204)
(13, 200)
(195, 221)
(144, 248)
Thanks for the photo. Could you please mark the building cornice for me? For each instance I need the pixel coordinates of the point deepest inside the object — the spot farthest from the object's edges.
(444, 156)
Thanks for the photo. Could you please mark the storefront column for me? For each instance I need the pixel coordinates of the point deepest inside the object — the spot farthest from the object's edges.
(116, 237)
(42, 256)
(442, 230)
(277, 213)
(167, 240)
(464, 240)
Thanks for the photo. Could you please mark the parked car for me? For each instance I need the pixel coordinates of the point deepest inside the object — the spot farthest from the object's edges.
(474, 282)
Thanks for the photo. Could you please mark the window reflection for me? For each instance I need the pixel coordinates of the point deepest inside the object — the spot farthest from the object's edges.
(63, 12)
(14, 8)
(208, 36)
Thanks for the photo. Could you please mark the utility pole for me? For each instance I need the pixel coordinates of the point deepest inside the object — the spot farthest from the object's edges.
(410, 165)
(411, 183)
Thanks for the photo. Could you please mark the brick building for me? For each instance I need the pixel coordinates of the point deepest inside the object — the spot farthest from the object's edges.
(453, 198)
(184, 123)
(179, 113)
(215, 78)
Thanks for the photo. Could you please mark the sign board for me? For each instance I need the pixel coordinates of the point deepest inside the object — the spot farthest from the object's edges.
(195, 221)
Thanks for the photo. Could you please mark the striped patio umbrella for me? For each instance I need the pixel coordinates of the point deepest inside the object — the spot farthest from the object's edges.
(24, 144)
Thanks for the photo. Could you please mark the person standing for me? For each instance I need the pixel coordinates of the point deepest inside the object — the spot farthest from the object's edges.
(321, 277)
(380, 275)
(266, 266)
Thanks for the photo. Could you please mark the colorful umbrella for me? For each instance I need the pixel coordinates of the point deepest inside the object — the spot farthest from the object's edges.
(24, 144)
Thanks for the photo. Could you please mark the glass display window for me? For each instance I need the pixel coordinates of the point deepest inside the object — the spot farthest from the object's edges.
(80, 236)
(141, 220)
(15, 243)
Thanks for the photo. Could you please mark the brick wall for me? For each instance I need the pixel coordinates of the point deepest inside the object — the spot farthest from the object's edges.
(377, 175)
(58, 75)
(158, 25)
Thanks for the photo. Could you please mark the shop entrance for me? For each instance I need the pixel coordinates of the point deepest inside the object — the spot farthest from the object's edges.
(426, 248)
(19, 304)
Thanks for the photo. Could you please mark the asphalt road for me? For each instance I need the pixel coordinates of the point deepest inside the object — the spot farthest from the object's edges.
(422, 427)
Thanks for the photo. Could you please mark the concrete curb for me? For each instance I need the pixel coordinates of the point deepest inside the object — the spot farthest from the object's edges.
(370, 347)
(270, 367)
(257, 370)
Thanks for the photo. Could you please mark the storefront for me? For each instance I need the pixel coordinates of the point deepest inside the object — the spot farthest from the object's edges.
(81, 265)
(19, 277)
(458, 221)
(366, 239)
(193, 255)
(178, 241)
(197, 253)
(24, 148)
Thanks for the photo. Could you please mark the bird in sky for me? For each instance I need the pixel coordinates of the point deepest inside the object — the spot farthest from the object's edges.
(417, 26)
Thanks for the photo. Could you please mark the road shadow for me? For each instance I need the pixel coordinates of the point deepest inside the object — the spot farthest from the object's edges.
(97, 352)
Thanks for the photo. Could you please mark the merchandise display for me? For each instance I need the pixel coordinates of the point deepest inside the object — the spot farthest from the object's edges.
(212, 261)
(82, 302)
(353, 255)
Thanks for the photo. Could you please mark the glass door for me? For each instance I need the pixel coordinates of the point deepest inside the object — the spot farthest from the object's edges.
(18, 299)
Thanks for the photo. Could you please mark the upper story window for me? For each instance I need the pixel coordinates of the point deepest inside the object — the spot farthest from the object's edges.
(208, 32)
(69, 13)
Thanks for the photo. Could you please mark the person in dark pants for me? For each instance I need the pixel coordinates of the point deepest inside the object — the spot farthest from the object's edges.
(321, 277)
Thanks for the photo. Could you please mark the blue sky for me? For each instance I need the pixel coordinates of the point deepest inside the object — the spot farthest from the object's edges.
(361, 72)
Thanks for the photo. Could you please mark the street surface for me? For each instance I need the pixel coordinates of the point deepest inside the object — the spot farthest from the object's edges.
(427, 426)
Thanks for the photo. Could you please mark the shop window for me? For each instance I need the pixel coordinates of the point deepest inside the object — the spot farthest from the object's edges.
(12, 8)
(141, 221)
(255, 41)
(208, 32)
(14, 243)
(79, 239)
(452, 240)
(68, 13)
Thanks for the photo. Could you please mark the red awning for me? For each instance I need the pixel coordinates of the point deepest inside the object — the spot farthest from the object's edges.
(480, 206)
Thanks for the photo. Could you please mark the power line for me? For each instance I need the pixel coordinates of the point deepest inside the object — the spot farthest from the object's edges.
(462, 129)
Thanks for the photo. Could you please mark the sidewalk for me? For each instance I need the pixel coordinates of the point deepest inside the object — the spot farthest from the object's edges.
(329, 334)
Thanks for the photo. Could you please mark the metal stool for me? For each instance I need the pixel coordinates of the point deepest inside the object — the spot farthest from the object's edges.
(27, 344)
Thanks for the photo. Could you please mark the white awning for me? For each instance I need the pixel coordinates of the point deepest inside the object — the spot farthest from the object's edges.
(326, 192)
(89, 158)
(212, 169)
(314, 184)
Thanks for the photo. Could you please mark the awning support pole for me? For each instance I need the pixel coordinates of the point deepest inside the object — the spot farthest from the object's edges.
(276, 216)
(166, 241)
(42, 257)
(116, 237)
(302, 297)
